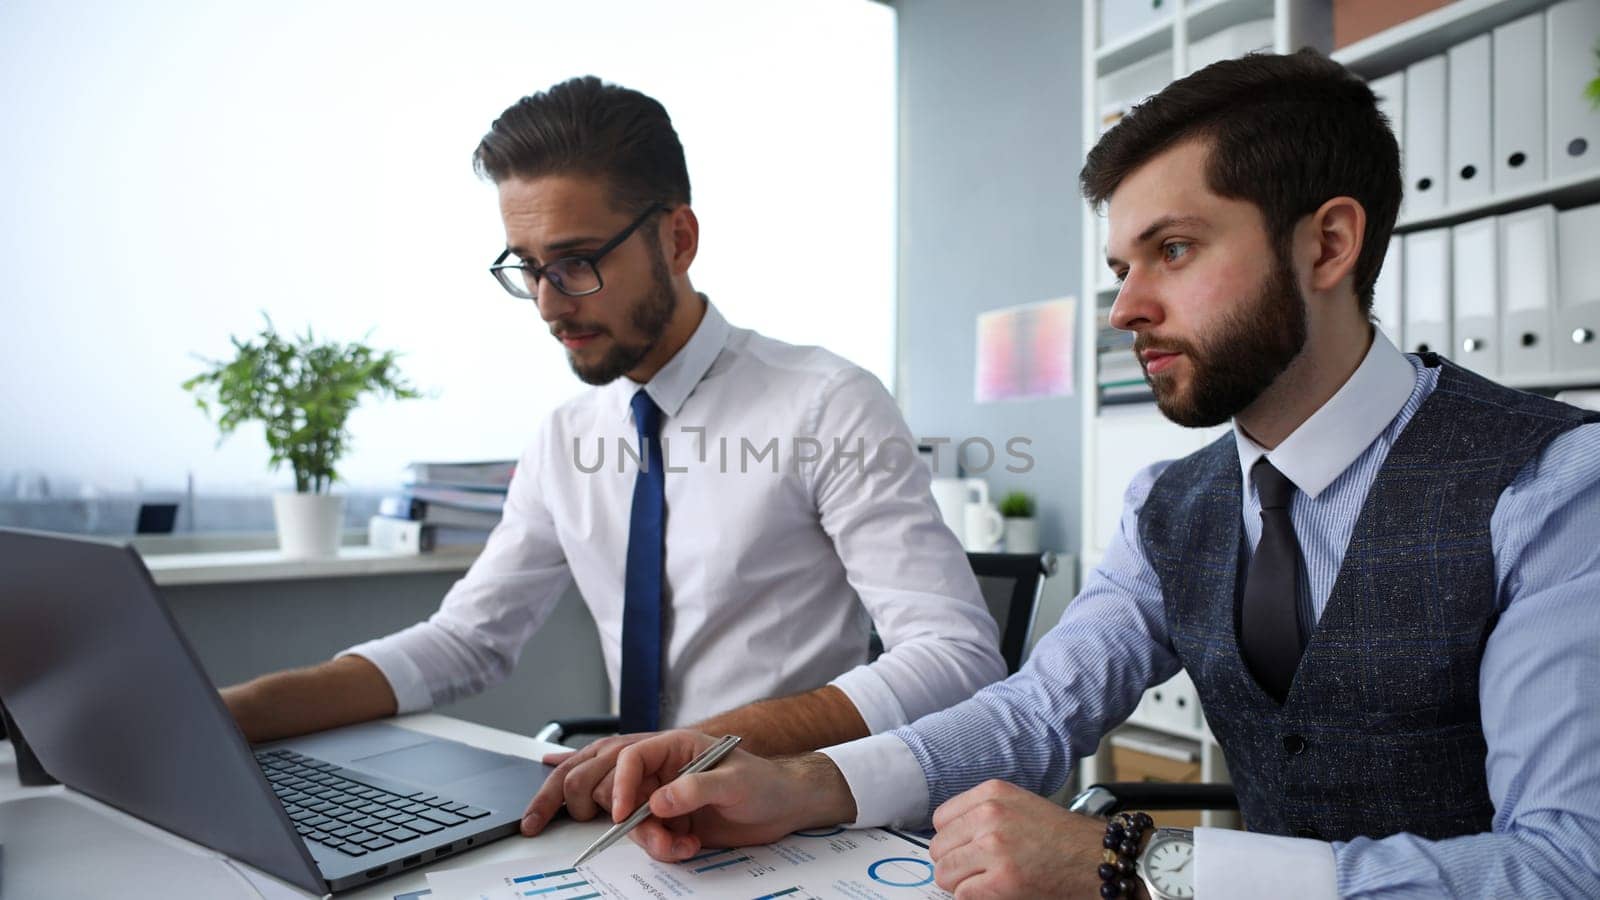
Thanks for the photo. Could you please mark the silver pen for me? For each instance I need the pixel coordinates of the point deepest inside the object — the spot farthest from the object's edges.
(710, 757)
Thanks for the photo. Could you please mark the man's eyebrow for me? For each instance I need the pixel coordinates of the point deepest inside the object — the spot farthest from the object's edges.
(557, 247)
(1160, 225)
(1166, 222)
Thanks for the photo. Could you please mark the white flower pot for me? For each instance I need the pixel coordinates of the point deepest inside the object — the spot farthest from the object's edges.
(1022, 535)
(308, 524)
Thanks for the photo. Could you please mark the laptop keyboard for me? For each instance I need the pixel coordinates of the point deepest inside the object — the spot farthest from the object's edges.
(329, 807)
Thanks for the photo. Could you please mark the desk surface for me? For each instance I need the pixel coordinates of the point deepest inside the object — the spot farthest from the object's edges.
(565, 837)
(271, 565)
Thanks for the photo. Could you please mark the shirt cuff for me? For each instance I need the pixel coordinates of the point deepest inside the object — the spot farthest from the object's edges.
(411, 692)
(1245, 866)
(873, 699)
(885, 779)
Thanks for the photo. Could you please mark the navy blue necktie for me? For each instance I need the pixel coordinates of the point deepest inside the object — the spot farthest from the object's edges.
(1269, 622)
(641, 611)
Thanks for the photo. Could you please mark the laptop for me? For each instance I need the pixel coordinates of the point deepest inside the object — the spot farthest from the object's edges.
(101, 683)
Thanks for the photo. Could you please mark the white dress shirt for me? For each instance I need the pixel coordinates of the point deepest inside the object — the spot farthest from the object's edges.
(1088, 673)
(771, 576)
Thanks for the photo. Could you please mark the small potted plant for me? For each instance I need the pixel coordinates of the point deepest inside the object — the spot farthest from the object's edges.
(1022, 529)
(303, 391)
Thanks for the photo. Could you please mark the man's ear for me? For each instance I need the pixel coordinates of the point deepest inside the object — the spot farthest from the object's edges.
(680, 238)
(1332, 241)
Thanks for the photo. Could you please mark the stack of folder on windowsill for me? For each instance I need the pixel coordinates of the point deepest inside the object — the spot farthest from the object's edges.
(443, 504)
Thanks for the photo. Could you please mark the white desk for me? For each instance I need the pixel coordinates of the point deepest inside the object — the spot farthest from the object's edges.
(124, 837)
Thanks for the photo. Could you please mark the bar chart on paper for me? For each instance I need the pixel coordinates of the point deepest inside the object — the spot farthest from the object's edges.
(867, 864)
(562, 884)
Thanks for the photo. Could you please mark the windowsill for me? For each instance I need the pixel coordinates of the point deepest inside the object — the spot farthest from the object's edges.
(239, 566)
(211, 542)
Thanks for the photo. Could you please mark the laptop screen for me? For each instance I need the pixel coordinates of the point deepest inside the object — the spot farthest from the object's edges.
(101, 683)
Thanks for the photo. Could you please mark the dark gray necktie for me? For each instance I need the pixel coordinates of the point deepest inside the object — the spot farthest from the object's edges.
(1269, 627)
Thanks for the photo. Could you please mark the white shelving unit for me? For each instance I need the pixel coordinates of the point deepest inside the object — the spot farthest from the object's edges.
(1118, 440)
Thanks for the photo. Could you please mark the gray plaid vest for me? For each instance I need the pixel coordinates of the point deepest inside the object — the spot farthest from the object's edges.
(1380, 732)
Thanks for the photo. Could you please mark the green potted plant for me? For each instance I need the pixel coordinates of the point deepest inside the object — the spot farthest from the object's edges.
(303, 391)
(1022, 528)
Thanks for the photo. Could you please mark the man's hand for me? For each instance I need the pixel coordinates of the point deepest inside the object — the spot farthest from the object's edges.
(582, 780)
(998, 840)
(744, 800)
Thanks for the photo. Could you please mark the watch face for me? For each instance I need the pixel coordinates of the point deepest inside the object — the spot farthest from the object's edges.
(1169, 865)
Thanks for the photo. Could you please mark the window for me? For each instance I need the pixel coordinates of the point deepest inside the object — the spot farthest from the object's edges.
(175, 169)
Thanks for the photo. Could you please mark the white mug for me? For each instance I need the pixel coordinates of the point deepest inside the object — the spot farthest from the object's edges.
(984, 528)
(952, 495)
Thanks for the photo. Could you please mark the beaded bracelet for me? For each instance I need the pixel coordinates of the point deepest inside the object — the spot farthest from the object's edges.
(1124, 833)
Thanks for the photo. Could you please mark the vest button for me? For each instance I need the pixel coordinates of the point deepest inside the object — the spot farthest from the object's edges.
(1295, 744)
(1308, 833)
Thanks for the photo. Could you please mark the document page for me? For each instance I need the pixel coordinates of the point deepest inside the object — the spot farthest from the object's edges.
(860, 864)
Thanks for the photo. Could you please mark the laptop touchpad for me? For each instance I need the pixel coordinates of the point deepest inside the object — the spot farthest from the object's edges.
(436, 762)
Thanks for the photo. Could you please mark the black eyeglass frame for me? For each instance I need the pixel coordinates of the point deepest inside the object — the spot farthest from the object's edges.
(516, 285)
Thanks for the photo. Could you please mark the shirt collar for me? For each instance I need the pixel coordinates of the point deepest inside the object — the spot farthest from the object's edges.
(672, 385)
(1328, 442)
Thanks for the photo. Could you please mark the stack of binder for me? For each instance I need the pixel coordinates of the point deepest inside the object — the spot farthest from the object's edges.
(1499, 113)
(443, 504)
(1500, 122)
(1120, 377)
(1511, 296)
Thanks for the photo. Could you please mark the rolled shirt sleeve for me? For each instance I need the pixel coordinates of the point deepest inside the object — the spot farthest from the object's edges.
(475, 638)
(875, 503)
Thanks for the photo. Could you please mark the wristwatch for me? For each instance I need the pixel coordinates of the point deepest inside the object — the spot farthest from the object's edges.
(1167, 864)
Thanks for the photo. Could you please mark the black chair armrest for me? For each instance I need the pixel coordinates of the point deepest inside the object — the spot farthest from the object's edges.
(1116, 796)
(557, 730)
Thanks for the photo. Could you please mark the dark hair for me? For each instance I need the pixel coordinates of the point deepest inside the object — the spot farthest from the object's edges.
(584, 126)
(1286, 133)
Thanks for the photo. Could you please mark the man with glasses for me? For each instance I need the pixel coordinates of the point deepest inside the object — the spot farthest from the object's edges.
(733, 509)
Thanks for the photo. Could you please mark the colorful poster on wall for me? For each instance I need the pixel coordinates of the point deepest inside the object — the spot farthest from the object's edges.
(1026, 352)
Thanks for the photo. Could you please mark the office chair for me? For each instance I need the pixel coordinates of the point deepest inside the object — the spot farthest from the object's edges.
(1113, 797)
(1010, 583)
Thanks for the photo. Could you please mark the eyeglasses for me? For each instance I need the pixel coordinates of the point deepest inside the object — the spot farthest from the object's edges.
(575, 276)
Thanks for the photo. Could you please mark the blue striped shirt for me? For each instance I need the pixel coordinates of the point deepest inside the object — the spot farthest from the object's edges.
(1539, 678)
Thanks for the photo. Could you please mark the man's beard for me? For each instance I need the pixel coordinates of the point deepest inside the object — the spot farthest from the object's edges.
(1240, 359)
(649, 317)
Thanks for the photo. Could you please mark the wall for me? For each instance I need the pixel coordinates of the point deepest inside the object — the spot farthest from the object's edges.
(989, 157)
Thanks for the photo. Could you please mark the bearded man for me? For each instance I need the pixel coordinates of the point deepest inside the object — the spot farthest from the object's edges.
(1382, 581)
(756, 504)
